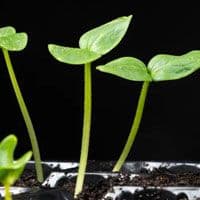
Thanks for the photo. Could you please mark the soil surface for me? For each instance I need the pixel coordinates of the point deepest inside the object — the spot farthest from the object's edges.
(95, 186)
(28, 177)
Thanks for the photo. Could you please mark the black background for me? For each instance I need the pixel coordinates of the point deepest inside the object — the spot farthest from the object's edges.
(53, 91)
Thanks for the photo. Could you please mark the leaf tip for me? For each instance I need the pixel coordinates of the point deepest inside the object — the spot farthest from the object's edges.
(127, 18)
(10, 140)
(11, 137)
(130, 17)
(29, 155)
(100, 68)
(51, 48)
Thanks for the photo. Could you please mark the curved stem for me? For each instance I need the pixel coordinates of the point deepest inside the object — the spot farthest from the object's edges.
(134, 128)
(8, 195)
(86, 128)
(26, 116)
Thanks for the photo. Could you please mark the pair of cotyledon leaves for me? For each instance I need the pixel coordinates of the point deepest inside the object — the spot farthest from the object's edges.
(160, 68)
(12, 41)
(11, 169)
(93, 44)
(99, 41)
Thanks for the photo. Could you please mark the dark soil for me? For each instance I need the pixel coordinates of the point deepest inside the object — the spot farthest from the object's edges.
(148, 194)
(179, 176)
(44, 194)
(28, 177)
(151, 194)
(99, 166)
(95, 186)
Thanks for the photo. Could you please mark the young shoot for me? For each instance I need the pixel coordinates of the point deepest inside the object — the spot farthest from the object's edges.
(92, 45)
(160, 68)
(10, 169)
(12, 41)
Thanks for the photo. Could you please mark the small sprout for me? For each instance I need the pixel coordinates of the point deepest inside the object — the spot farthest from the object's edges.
(12, 41)
(10, 169)
(93, 44)
(160, 68)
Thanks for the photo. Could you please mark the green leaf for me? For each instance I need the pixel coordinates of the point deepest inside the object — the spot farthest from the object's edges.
(15, 42)
(169, 67)
(5, 31)
(9, 174)
(128, 68)
(74, 56)
(22, 160)
(105, 37)
(7, 148)
(10, 170)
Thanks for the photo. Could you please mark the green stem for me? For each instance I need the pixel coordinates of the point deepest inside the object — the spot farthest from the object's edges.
(134, 128)
(26, 116)
(86, 128)
(8, 195)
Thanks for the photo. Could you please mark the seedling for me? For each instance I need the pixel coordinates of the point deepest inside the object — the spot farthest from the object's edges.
(160, 68)
(12, 41)
(93, 44)
(10, 169)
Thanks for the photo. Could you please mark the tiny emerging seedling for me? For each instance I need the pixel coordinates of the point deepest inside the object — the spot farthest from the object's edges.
(93, 44)
(12, 41)
(160, 68)
(10, 169)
